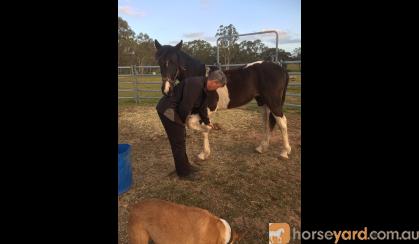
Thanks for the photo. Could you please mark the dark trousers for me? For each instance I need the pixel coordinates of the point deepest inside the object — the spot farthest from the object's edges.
(177, 138)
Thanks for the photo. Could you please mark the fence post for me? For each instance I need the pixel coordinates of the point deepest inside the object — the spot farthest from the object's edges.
(137, 93)
(133, 74)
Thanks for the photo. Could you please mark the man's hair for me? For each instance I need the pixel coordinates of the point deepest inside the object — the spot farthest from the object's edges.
(219, 76)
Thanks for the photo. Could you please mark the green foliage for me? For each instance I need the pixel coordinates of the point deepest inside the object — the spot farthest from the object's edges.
(138, 49)
(201, 50)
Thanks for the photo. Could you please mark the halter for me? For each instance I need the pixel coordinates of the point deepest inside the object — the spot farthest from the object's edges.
(177, 73)
(174, 80)
(177, 66)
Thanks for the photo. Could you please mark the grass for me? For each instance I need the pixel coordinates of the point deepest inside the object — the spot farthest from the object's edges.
(293, 67)
(247, 189)
(131, 85)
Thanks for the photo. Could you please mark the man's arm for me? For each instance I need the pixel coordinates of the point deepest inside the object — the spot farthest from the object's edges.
(203, 112)
(191, 92)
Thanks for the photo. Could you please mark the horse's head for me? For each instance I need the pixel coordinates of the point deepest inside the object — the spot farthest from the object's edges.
(171, 65)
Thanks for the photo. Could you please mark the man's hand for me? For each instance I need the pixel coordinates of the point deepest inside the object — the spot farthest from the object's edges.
(211, 125)
(214, 126)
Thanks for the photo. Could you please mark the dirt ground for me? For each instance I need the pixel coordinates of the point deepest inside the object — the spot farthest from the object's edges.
(248, 189)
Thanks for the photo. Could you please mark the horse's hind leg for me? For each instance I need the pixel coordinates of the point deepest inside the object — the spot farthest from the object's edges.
(281, 120)
(263, 147)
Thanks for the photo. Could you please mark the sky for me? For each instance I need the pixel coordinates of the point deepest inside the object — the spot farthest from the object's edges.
(173, 20)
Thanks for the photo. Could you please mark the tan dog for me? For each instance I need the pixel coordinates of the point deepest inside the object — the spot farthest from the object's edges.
(169, 223)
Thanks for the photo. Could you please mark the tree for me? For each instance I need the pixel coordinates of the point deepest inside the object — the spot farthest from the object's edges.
(297, 53)
(250, 51)
(139, 49)
(144, 50)
(134, 49)
(227, 45)
(270, 53)
(126, 42)
(201, 50)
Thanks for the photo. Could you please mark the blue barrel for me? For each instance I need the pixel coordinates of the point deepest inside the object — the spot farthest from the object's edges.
(124, 168)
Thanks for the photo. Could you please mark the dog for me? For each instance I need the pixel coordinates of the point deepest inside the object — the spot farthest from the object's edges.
(170, 223)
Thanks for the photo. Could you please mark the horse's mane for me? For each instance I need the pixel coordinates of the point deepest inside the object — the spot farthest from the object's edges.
(162, 52)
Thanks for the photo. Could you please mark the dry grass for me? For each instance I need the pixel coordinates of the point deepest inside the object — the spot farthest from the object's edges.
(247, 189)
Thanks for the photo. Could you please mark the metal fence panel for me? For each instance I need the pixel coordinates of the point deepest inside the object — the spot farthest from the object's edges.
(137, 77)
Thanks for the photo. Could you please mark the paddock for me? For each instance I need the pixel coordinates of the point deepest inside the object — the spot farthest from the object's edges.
(238, 184)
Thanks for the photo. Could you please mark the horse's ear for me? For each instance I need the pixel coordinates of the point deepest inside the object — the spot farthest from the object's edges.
(179, 45)
(157, 44)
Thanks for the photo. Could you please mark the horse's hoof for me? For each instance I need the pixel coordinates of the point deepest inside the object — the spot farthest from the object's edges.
(259, 149)
(284, 155)
(262, 148)
(202, 156)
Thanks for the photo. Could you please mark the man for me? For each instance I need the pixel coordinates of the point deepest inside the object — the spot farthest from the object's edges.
(189, 97)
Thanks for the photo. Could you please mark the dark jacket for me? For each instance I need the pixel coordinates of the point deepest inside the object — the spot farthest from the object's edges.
(188, 97)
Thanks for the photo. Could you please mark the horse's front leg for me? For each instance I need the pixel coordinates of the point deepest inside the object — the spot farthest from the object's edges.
(193, 123)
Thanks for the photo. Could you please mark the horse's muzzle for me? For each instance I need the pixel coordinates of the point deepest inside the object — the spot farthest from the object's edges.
(167, 88)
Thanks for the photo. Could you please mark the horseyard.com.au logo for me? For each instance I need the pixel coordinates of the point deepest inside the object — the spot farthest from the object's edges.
(279, 233)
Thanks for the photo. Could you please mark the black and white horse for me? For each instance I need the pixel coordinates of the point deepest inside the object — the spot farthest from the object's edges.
(264, 81)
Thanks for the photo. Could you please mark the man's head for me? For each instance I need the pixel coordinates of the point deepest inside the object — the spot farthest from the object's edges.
(216, 79)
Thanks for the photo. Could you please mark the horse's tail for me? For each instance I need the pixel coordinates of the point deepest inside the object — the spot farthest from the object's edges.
(272, 120)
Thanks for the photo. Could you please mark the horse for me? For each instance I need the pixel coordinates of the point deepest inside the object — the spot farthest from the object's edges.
(264, 81)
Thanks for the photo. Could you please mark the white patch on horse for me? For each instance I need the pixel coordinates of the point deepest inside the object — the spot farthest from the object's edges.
(192, 122)
(223, 97)
(205, 154)
(250, 64)
(166, 87)
(282, 124)
(227, 234)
